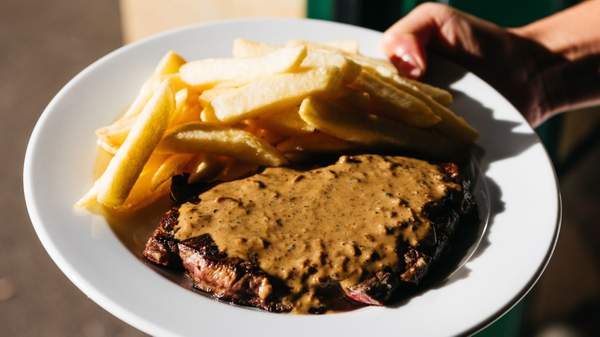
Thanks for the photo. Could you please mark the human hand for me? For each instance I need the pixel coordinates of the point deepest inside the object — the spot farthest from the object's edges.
(508, 59)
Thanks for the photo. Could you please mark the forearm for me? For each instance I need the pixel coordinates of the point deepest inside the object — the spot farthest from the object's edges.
(572, 84)
(572, 33)
(574, 36)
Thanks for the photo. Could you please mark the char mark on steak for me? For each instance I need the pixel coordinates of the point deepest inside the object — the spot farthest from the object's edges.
(161, 248)
(211, 271)
(228, 278)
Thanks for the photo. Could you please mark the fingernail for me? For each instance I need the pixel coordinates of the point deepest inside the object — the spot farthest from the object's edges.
(406, 57)
(415, 70)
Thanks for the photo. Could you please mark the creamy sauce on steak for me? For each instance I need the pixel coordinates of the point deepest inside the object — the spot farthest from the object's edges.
(341, 222)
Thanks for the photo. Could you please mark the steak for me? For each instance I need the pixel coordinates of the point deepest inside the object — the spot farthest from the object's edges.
(254, 271)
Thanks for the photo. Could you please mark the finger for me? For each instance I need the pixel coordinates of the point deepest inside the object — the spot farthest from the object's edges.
(407, 53)
(405, 42)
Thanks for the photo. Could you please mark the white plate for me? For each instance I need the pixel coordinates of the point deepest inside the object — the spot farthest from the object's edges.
(523, 191)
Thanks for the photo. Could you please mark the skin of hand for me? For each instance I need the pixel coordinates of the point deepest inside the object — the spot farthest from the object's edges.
(543, 68)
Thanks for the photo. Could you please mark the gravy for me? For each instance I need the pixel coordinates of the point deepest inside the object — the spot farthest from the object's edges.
(338, 223)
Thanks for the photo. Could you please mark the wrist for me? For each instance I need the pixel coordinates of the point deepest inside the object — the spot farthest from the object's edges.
(570, 34)
(530, 61)
(546, 38)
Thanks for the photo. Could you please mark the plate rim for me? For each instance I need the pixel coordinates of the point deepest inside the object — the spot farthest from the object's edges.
(138, 321)
(532, 282)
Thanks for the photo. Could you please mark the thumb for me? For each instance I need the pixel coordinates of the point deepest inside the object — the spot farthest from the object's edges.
(404, 43)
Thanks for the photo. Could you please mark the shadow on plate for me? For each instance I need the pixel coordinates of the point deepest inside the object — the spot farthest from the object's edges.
(501, 141)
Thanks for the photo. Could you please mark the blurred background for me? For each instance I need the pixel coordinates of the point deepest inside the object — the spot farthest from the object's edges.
(45, 43)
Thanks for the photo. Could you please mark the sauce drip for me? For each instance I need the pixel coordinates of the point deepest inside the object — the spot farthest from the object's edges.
(338, 223)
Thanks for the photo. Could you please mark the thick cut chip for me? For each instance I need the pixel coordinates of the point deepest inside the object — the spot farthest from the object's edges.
(451, 125)
(112, 136)
(268, 135)
(216, 139)
(229, 84)
(358, 58)
(208, 95)
(207, 115)
(190, 113)
(327, 56)
(348, 46)
(142, 194)
(234, 169)
(181, 100)
(169, 64)
(249, 48)
(206, 73)
(316, 142)
(89, 199)
(205, 167)
(387, 70)
(316, 45)
(107, 146)
(140, 100)
(439, 95)
(187, 108)
(372, 130)
(127, 164)
(322, 55)
(173, 165)
(380, 65)
(275, 93)
(357, 100)
(181, 97)
(320, 58)
(286, 122)
(397, 104)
